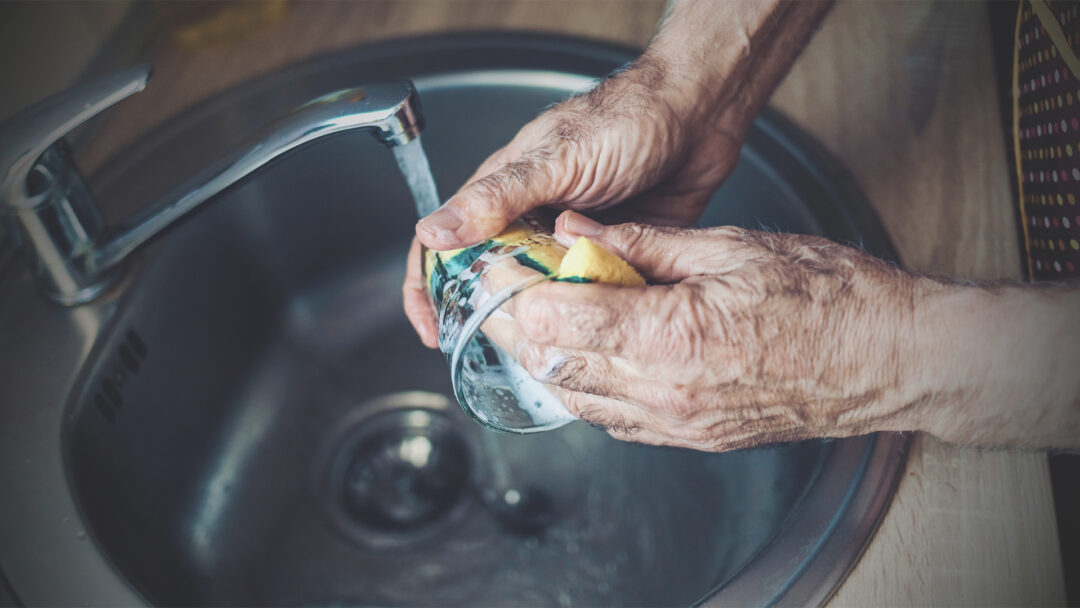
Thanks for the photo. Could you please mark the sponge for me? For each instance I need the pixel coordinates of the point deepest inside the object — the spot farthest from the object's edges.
(584, 262)
(587, 262)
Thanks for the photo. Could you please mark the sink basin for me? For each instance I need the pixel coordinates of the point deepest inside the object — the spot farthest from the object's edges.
(249, 418)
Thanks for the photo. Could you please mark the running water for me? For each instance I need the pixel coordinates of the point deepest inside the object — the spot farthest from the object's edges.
(414, 166)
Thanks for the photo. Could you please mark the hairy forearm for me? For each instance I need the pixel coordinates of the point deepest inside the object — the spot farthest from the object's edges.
(1000, 364)
(727, 56)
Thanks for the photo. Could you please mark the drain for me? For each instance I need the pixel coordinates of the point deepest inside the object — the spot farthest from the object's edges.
(400, 471)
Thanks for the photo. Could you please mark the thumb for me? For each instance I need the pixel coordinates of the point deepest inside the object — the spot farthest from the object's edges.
(485, 207)
(661, 253)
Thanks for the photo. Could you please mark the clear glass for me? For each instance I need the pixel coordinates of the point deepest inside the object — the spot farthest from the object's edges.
(468, 289)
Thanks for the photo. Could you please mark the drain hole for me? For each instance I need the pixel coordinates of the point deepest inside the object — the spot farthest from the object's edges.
(401, 478)
(401, 471)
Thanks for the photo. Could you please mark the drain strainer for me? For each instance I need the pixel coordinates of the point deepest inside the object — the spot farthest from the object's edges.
(400, 470)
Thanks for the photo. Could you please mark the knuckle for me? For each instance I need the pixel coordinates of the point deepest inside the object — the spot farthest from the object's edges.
(731, 233)
(532, 171)
(522, 170)
(652, 247)
(538, 320)
(570, 372)
(569, 127)
(632, 236)
(488, 192)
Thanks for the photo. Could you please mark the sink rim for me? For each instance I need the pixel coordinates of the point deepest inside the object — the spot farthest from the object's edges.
(831, 559)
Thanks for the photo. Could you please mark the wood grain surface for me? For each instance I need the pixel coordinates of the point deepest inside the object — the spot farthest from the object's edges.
(903, 94)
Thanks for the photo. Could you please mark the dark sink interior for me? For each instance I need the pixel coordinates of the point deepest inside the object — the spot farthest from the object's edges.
(260, 425)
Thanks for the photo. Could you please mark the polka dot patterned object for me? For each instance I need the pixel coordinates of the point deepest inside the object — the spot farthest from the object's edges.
(1047, 125)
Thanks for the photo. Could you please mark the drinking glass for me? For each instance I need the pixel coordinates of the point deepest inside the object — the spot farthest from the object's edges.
(468, 288)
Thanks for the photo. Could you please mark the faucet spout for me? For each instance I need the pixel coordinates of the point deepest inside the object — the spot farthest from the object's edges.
(55, 217)
(391, 111)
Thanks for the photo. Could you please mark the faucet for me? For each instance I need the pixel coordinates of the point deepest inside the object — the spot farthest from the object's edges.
(57, 223)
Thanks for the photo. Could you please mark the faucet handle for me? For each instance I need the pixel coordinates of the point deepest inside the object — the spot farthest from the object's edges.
(51, 209)
(30, 132)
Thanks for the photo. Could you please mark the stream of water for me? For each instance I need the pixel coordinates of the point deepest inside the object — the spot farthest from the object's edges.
(413, 164)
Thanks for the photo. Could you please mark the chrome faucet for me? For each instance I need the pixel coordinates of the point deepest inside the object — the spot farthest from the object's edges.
(56, 220)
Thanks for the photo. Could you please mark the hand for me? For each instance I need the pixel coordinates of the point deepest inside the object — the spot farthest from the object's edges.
(630, 141)
(417, 300)
(753, 338)
(656, 139)
(636, 141)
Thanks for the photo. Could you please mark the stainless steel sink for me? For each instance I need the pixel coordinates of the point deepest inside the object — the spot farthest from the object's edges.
(249, 419)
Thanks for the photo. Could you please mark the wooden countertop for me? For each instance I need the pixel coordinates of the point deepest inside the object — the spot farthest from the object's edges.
(903, 93)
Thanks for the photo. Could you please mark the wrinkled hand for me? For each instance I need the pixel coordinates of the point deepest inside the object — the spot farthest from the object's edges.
(637, 141)
(753, 338)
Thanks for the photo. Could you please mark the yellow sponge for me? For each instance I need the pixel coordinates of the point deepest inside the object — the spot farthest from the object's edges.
(587, 262)
(584, 262)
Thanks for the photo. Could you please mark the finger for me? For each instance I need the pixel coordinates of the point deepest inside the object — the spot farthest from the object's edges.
(621, 419)
(628, 422)
(612, 377)
(579, 371)
(504, 272)
(663, 254)
(645, 324)
(487, 205)
(417, 302)
(663, 395)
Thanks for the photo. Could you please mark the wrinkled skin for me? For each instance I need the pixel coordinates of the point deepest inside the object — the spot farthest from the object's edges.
(750, 338)
(630, 142)
(743, 338)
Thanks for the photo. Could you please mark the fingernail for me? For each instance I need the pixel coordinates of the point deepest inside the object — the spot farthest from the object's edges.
(565, 240)
(442, 223)
(582, 226)
(554, 364)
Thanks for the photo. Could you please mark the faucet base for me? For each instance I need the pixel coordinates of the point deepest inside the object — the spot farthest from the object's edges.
(83, 295)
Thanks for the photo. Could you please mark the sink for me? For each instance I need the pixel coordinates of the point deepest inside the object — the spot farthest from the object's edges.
(249, 418)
